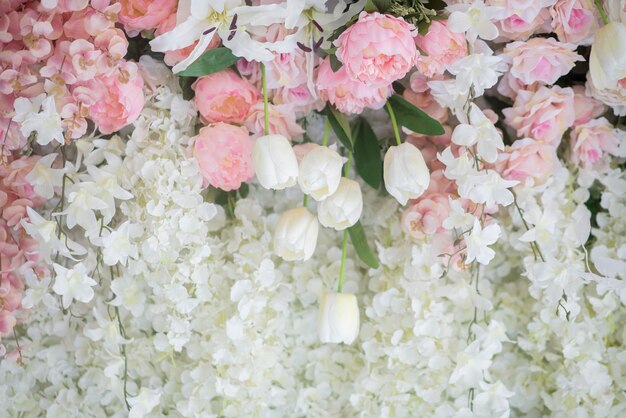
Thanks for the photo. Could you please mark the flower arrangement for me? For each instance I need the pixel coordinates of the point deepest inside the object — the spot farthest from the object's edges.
(314, 208)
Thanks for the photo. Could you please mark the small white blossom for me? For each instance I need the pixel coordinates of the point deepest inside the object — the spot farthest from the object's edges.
(73, 284)
(478, 243)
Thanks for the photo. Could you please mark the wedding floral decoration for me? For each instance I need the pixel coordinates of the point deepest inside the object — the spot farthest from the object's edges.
(312, 208)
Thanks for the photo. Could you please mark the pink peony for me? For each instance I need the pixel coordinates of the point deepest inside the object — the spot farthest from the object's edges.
(282, 121)
(543, 115)
(138, 15)
(224, 155)
(575, 21)
(540, 60)
(378, 49)
(585, 107)
(425, 215)
(527, 158)
(523, 18)
(592, 142)
(224, 97)
(120, 98)
(347, 95)
(442, 48)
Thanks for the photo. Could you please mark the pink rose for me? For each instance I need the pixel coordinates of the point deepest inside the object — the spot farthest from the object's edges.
(120, 98)
(543, 115)
(224, 97)
(540, 59)
(585, 107)
(527, 158)
(378, 49)
(592, 142)
(286, 69)
(425, 215)
(282, 121)
(224, 155)
(575, 21)
(138, 15)
(347, 95)
(442, 48)
(522, 18)
(508, 86)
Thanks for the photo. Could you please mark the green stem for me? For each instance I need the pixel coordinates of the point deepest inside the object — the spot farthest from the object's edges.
(326, 132)
(265, 101)
(392, 115)
(305, 200)
(344, 242)
(602, 12)
(342, 269)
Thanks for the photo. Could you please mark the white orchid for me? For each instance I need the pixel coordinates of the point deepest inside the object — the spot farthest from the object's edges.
(478, 242)
(73, 284)
(44, 178)
(480, 132)
(475, 20)
(39, 115)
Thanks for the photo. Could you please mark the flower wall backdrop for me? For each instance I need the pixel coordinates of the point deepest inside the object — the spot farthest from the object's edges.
(311, 208)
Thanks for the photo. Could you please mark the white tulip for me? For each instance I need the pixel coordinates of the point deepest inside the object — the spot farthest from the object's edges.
(405, 172)
(338, 318)
(274, 162)
(320, 172)
(607, 62)
(343, 208)
(296, 235)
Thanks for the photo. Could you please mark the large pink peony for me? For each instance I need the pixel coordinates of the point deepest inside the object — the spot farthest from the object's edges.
(542, 115)
(120, 98)
(575, 21)
(586, 107)
(378, 49)
(224, 155)
(592, 142)
(138, 15)
(441, 46)
(527, 158)
(224, 97)
(540, 60)
(347, 95)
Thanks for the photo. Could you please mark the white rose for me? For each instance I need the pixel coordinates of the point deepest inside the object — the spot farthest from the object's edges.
(274, 162)
(338, 318)
(320, 172)
(405, 172)
(295, 237)
(343, 208)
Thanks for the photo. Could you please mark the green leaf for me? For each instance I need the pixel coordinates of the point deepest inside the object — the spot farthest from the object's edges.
(244, 190)
(210, 62)
(335, 64)
(370, 6)
(382, 5)
(185, 85)
(361, 246)
(341, 126)
(413, 118)
(367, 156)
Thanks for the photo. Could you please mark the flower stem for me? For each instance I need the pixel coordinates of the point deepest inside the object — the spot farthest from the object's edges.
(305, 200)
(265, 103)
(602, 12)
(344, 241)
(392, 115)
(342, 268)
(326, 132)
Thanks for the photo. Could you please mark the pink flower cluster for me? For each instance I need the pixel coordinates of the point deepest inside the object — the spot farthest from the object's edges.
(17, 250)
(375, 51)
(70, 50)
